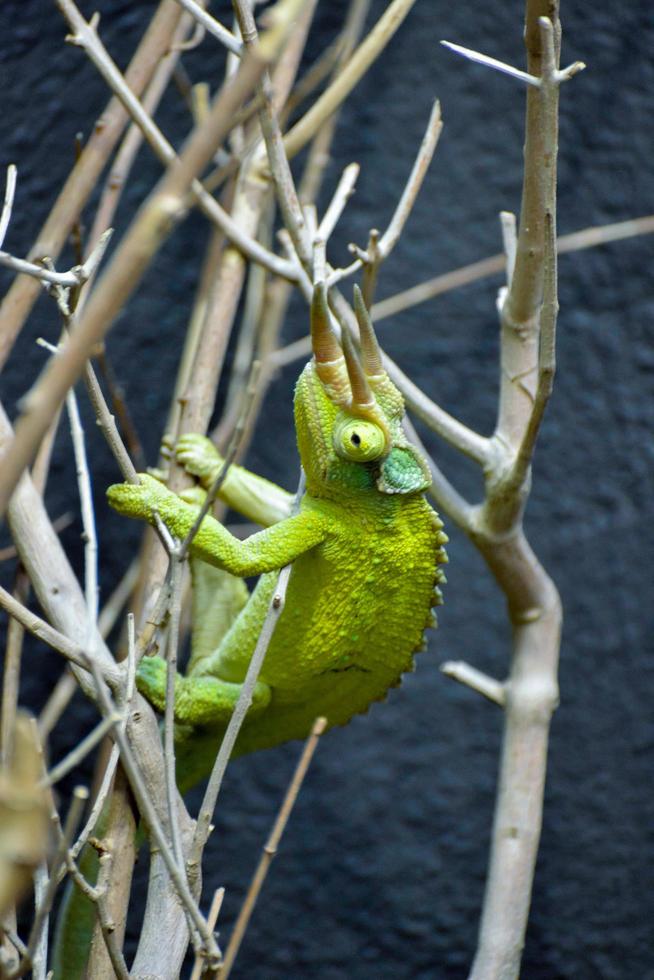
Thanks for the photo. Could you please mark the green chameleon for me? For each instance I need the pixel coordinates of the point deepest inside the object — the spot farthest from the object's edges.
(365, 546)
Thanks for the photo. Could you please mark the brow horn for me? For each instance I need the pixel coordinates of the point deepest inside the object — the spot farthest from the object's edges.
(327, 354)
(370, 350)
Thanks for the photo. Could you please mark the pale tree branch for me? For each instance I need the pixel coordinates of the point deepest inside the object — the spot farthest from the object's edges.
(357, 65)
(24, 292)
(86, 37)
(475, 679)
(270, 849)
(446, 497)
(335, 208)
(275, 608)
(8, 203)
(380, 247)
(161, 210)
(212, 26)
(576, 241)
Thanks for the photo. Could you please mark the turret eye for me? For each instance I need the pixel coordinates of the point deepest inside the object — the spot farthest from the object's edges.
(358, 440)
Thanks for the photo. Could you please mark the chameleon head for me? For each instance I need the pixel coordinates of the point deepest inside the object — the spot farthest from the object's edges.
(349, 414)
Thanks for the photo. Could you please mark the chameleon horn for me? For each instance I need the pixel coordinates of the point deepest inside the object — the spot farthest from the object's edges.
(327, 354)
(370, 351)
(362, 396)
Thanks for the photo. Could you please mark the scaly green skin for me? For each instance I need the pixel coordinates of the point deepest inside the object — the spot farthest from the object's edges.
(366, 548)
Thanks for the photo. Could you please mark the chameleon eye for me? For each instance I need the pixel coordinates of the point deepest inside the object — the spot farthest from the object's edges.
(359, 441)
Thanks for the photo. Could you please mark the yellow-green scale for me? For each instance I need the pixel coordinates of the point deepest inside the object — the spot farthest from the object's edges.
(355, 612)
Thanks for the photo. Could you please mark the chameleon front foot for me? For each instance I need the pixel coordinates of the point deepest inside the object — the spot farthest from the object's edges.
(141, 500)
(199, 457)
(200, 700)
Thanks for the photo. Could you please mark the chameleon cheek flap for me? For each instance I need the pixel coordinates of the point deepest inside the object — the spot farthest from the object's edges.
(403, 471)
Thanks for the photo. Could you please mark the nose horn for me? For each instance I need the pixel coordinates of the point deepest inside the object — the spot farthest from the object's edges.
(370, 350)
(362, 396)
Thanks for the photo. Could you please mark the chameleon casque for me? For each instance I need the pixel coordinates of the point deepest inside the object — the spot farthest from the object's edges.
(366, 548)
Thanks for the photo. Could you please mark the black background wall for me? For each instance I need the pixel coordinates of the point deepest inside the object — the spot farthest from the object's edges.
(381, 874)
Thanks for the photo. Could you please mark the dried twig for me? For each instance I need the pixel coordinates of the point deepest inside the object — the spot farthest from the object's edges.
(81, 182)
(270, 849)
(275, 608)
(8, 203)
(487, 686)
(357, 65)
(152, 224)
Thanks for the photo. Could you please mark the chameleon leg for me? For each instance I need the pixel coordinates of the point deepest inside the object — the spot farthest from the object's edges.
(257, 499)
(199, 700)
(217, 596)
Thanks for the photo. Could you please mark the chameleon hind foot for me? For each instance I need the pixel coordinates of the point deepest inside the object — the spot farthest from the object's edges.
(202, 700)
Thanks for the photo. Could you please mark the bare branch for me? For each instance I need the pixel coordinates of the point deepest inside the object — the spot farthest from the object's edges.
(212, 918)
(212, 26)
(10, 190)
(343, 192)
(450, 429)
(357, 65)
(448, 500)
(275, 607)
(270, 848)
(88, 39)
(574, 242)
(82, 749)
(43, 631)
(146, 807)
(151, 225)
(487, 686)
(483, 59)
(411, 190)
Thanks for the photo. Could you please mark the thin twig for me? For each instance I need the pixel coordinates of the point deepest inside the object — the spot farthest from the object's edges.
(448, 499)
(484, 59)
(270, 848)
(108, 427)
(412, 188)
(172, 796)
(576, 241)
(212, 918)
(99, 802)
(342, 194)
(357, 65)
(147, 810)
(487, 686)
(61, 696)
(88, 517)
(82, 749)
(86, 37)
(117, 600)
(43, 631)
(275, 608)
(8, 203)
(212, 26)
(80, 796)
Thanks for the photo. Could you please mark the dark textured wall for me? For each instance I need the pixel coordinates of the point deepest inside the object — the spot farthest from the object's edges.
(381, 873)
